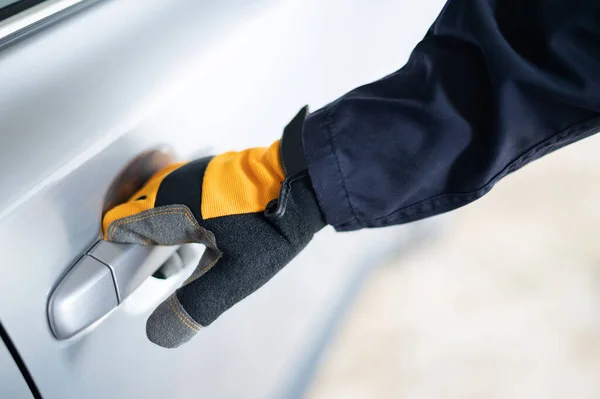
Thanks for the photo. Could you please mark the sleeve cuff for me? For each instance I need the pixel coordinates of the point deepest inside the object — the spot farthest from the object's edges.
(326, 172)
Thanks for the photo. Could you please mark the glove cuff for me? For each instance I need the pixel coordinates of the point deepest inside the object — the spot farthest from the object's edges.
(291, 147)
(295, 168)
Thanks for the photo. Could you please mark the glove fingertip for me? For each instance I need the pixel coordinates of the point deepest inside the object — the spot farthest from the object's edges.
(169, 325)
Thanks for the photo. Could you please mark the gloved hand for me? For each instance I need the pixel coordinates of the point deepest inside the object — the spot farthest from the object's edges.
(254, 210)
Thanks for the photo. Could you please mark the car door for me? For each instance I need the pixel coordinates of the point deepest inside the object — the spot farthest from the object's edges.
(85, 94)
(12, 381)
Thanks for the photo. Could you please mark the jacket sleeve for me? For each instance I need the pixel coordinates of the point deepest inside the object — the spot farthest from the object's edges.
(494, 85)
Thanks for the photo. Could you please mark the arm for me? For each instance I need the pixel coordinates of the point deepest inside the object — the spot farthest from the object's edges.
(495, 84)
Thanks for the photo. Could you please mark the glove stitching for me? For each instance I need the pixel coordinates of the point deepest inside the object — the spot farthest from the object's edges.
(130, 219)
(136, 218)
(182, 317)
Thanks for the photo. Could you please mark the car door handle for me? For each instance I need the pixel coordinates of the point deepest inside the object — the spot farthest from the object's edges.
(103, 278)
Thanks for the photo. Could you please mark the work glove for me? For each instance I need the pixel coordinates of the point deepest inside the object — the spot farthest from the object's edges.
(254, 211)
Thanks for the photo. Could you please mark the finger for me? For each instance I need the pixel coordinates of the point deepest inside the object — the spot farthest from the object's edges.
(254, 254)
(170, 325)
(141, 201)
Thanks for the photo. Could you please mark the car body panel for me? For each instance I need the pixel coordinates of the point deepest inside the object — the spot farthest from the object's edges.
(83, 97)
(12, 383)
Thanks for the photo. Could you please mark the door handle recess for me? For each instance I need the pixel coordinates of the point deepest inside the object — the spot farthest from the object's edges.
(103, 278)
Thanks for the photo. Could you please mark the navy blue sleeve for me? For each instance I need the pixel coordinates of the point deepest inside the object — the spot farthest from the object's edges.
(493, 85)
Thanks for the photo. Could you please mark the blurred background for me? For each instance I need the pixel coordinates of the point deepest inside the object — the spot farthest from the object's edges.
(503, 302)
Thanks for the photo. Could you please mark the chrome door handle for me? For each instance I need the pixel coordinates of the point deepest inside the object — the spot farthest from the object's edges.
(102, 279)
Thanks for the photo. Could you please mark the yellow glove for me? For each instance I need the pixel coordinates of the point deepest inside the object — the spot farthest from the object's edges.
(252, 216)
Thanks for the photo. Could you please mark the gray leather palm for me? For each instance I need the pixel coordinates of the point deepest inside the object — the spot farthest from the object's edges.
(169, 325)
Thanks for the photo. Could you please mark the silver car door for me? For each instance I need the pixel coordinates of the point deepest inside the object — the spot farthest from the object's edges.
(12, 381)
(84, 96)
